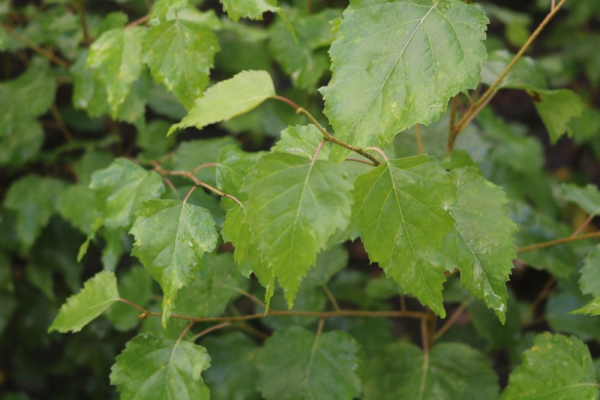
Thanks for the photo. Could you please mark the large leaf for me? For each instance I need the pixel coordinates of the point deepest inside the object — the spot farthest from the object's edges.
(180, 55)
(227, 99)
(252, 9)
(557, 367)
(397, 63)
(295, 206)
(116, 58)
(34, 199)
(482, 246)
(122, 188)
(557, 108)
(451, 371)
(402, 213)
(152, 368)
(296, 364)
(97, 295)
(170, 239)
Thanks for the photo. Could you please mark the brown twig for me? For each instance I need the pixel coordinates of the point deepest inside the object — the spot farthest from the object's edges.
(331, 298)
(45, 53)
(557, 242)
(60, 123)
(137, 22)
(211, 329)
(419, 139)
(453, 318)
(87, 39)
(491, 91)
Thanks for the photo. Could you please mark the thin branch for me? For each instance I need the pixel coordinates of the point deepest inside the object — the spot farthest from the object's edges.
(491, 91)
(284, 313)
(425, 336)
(211, 329)
(557, 242)
(328, 136)
(199, 167)
(360, 161)
(452, 125)
(583, 225)
(245, 294)
(87, 39)
(60, 123)
(137, 22)
(187, 196)
(545, 292)
(419, 139)
(187, 328)
(331, 297)
(45, 53)
(377, 149)
(453, 318)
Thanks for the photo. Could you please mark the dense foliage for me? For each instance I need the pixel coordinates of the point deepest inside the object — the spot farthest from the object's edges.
(247, 199)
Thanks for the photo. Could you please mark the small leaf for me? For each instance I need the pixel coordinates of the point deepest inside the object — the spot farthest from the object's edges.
(170, 240)
(397, 63)
(34, 199)
(227, 99)
(294, 207)
(76, 205)
(557, 108)
(213, 288)
(588, 197)
(252, 9)
(98, 293)
(152, 368)
(556, 367)
(180, 55)
(401, 212)
(301, 141)
(592, 308)
(233, 167)
(122, 188)
(296, 364)
(116, 58)
(451, 371)
(590, 273)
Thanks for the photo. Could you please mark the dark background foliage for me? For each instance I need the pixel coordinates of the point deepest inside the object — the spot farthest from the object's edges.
(38, 365)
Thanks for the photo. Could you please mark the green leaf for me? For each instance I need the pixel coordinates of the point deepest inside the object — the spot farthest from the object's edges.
(122, 188)
(136, 287)
(557, 108)
(329, 263)
(563, 311)
(556, 367)
(160, 369)
(252, 9)
(170, 240)
(98, 293)
(116, 58)
(88, 92)
(233, 167)
(588, 197)
(75, 204)
(295, 206)
(589, 282)
(154, 140)
(227, 99)
(402, 213)
(22, 142)
(307, 299)
(237, 231)
(451, 371)
(213, 288)
(296, 364)
(180, 55)
(302, 56)
(301, 141)
(29, 95)
(591, 308)
(482, 246)
(232, 374)
(162, 8)
(34, 199)
(397, 63)
(498, 335)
